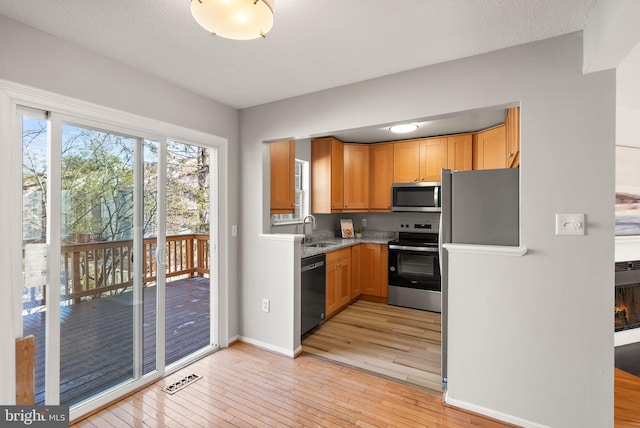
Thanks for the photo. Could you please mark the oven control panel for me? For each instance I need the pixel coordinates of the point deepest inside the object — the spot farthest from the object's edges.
(418, 227)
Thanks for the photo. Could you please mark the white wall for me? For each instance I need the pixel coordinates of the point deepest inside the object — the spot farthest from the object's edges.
(33, 58)
(531, 338)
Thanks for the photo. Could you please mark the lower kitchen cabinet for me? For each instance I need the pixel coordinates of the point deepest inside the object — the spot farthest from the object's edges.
(356, 270)
(374, 262)
(360, 270)
(338, 280)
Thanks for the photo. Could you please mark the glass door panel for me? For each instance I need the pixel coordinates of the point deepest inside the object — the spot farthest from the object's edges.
(149, 231)
(188, 292)
(98, 305)
(34, 238)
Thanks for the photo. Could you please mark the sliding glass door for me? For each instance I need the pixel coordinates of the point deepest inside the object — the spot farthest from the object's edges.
(116, 232)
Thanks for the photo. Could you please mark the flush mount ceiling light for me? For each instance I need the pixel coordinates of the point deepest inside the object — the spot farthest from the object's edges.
(403, 128)
(234, 19)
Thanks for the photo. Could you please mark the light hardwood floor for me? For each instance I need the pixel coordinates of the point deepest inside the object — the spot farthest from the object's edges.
(403, 344)
(243, 386)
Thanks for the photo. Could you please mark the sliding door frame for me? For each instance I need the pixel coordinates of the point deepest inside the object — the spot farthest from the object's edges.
(69, 110)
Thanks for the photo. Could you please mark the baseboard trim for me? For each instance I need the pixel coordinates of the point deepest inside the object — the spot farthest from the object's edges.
(491, 413)
(269, 347)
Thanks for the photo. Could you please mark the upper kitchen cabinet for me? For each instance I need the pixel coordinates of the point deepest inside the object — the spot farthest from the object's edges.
(327, 165)
(513, 137)
(419, 160)
(433, 157)
(282, 158)
(490, 148)
(381, 176)
(460, 152)
(356, 177)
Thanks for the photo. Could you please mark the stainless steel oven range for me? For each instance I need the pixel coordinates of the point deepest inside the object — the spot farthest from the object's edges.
(414, 267)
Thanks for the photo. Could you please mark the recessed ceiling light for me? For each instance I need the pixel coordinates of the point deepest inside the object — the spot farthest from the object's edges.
(403, 128)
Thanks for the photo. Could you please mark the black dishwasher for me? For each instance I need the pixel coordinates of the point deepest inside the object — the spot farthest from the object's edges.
(312, 292)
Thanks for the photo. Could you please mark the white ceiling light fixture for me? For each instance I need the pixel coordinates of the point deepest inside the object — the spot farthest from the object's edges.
(403, 128)
(234, 19)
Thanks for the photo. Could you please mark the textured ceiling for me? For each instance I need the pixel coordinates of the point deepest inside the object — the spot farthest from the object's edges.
(314, 45)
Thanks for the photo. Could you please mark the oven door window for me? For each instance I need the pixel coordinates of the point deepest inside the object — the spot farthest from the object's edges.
(417, 267)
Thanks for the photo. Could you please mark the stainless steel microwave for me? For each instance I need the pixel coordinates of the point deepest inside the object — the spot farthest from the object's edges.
(420, 197)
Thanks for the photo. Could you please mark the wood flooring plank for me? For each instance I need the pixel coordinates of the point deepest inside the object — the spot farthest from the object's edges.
(244, 386)
(383, 339)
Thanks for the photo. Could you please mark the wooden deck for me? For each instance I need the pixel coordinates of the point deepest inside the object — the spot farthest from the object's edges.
(97, 337)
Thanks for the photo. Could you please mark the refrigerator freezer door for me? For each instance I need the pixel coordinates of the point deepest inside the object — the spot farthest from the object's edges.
(485, 207)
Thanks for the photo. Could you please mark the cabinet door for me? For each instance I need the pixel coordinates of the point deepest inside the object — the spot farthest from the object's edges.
(513, 137)
(370, 269)
(491, 148)
(331, 281)
(337, 173)
(356, 177)
(374, 269)
(406, 161)
(433, 157)
(282, 162)
(326, 175)
(383, 272)
(460, 152)
(381, 173)
(343, 282)
(356, 270)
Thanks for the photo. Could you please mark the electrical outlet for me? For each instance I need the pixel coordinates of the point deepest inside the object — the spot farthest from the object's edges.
(364, 222)
(569, 224)
(234, 230)
(266, 305)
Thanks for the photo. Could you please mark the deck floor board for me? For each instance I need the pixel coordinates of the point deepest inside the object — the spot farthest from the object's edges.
(97, 337)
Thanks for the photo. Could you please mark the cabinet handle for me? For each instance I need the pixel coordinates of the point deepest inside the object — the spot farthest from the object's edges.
(415, 179)
(421, 178)
(510, 155)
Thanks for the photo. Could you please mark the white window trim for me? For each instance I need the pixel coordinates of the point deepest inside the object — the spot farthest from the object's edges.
(306, 198)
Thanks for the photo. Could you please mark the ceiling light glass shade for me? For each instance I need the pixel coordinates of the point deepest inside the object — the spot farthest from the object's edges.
(234, 19)
(404, 128)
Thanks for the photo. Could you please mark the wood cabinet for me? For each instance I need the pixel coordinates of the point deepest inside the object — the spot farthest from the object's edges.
(282, 163)
(327, 164)
(433, 157)
(356, 270)
(406, 161)
(381, 176)
(356, 177)
(490, 148)
(338, 280)
(460, 152)
(374, 262)
(419, 160)
(513, 137)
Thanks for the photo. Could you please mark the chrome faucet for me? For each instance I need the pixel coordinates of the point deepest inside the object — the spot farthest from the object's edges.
(304, 227)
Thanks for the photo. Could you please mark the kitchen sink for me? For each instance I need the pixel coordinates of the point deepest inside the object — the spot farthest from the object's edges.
(320, 244)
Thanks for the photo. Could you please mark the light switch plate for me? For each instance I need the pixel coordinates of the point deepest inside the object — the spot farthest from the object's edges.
(569, 224)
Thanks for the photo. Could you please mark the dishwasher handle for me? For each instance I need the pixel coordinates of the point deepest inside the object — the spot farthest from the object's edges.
(312, 266)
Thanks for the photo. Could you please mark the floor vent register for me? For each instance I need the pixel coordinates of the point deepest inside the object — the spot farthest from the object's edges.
(182, 383)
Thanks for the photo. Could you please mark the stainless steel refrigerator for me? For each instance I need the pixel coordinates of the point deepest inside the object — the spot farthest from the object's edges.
(478, 207)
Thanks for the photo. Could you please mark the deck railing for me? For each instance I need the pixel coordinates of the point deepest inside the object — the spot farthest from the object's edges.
(101, 267)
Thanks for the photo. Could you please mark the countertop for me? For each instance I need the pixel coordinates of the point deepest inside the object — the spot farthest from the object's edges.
(367, 238)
